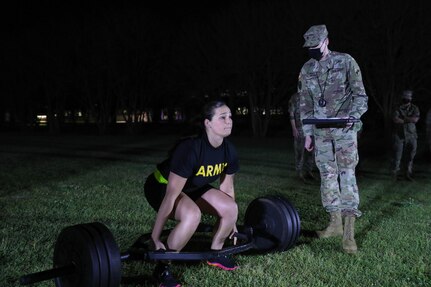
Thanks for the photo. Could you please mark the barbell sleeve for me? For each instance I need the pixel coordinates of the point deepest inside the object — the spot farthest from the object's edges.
(47, 274)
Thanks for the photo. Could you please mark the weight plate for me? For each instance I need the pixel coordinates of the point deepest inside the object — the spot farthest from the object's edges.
(296, 219)
(268, 221)
(104, 272)
(112, 252)
(74, 245)
(293, 220)
(288, 223)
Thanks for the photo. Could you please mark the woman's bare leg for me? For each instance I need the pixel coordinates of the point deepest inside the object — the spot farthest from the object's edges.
(218, 203)
(188, 215)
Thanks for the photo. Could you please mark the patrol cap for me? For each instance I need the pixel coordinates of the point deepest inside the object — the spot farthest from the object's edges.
(314, 35)
(407, 94)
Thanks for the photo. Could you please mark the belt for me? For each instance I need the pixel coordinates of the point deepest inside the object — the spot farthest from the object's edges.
(159, 177)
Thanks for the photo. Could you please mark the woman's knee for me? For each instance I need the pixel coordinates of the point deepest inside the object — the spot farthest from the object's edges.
(229, 210)
(189, 214)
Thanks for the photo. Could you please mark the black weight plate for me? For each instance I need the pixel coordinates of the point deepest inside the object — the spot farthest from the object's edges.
(112, 252)
(104, 274)
(296, 219)
(268, 222)
(293, 220)
(75, 245)
(288, 223)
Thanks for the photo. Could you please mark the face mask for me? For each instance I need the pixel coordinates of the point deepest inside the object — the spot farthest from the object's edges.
(315, 54)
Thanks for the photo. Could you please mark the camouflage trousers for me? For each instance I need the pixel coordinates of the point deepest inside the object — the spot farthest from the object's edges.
(304, 160)
(336, 154)
(406, 146)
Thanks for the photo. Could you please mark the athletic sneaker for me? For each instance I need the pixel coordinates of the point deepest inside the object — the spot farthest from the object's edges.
(223, 262)
(164, 276)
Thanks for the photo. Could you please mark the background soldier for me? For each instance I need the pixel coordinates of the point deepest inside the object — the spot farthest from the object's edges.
(330, 85)
(405, 117)
(304, 160)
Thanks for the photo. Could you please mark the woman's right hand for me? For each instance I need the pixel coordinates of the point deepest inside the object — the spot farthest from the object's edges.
(158, 245)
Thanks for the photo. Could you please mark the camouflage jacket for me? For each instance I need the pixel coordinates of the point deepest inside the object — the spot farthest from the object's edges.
(406, 130)
(294, 109)
(338, 78)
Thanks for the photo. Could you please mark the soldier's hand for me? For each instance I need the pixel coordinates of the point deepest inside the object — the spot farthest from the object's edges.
(295, 132)
(308, 143)
(348, 125)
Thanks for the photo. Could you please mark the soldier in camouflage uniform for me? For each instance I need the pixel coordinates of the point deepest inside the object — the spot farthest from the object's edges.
(330, 85)
(405, 117)
(304, 160)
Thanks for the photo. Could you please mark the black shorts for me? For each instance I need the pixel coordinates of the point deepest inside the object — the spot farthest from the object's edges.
(155, 191)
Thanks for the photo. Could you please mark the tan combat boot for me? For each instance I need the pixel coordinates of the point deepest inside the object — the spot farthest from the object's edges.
(409, 172)
(394, 176)
(349, 243)
(409, 177)
(312, 176)
(301, 177)
(335, 227)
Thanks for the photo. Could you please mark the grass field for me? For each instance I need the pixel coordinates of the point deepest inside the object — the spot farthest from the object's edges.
(49, 182)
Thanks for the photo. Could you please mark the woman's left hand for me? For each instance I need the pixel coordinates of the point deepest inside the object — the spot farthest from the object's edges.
(232, 235)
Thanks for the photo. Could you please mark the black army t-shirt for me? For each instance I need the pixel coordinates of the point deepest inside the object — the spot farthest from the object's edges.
(198, 161)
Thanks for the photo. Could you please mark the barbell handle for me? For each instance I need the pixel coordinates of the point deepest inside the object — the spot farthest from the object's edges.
(191, 256)
(47, 274)
(241, 236)
(329, 121)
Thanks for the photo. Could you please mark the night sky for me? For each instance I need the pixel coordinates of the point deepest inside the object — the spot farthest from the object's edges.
(175, 51)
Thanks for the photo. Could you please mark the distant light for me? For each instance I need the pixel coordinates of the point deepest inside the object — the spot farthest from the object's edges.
(42, 120)
(241, 111)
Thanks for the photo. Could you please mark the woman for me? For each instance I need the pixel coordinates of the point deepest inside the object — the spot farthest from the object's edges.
(180, 188)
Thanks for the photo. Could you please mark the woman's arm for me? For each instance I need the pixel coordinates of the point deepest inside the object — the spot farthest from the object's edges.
(175, 186)
(226, 184)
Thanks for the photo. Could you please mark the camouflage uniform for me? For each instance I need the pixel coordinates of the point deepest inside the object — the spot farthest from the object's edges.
(405, 135)
(338, 80)
(304, 160)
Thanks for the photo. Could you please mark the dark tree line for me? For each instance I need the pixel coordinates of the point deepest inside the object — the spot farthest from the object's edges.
(105, 58)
